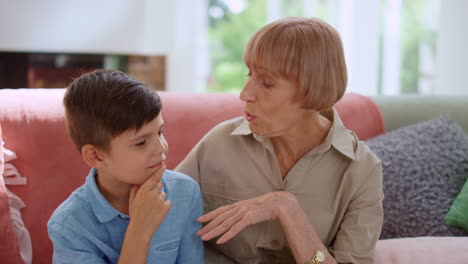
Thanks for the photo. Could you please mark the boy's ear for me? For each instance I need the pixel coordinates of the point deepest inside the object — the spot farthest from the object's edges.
(92, 156)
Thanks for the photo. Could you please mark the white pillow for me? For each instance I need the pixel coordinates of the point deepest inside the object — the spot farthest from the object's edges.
(10, 175)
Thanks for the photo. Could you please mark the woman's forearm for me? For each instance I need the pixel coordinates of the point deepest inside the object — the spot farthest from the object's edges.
(301, 235)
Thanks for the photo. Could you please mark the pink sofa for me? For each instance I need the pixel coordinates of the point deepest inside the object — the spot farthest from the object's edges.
(32, 121)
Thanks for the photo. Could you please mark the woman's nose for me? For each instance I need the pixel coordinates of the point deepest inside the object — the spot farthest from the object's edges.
(247, 94)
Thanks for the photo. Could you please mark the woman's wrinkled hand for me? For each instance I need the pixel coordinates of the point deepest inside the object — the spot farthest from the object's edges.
(229, 220)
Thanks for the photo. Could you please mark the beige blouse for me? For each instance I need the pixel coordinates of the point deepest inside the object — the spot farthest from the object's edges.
(338, 184)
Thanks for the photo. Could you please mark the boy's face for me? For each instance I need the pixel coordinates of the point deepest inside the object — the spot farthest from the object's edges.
(135, 155)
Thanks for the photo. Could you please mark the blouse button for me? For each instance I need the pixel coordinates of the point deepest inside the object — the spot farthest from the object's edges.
(275, 243)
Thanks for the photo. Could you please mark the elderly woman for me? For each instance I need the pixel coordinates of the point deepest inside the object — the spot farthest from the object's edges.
(288, 182)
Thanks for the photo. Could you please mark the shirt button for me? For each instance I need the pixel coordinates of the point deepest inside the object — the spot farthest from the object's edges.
(275, 243)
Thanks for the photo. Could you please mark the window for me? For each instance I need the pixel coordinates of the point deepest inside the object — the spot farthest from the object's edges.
(390, 45)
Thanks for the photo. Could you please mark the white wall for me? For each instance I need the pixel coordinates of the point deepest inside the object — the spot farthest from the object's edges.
(452, 48)
(86, 26)
(187, 68)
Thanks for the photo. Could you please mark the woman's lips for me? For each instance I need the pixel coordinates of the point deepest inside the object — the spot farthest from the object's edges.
(249, 117)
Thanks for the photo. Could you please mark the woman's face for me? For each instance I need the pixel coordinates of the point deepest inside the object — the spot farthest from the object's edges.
(271, 103)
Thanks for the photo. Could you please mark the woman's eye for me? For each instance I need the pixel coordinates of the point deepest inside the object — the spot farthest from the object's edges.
(266, 85)
(161, 132)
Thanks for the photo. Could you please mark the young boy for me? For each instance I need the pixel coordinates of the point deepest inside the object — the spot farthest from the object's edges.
(121, 214)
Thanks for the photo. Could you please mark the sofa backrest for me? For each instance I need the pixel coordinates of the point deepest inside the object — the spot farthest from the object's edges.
(402, 110)
(34, 127)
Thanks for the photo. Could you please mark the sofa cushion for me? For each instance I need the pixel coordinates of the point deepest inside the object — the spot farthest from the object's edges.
(422, 250)
(458, 212)
(424, 167)
(9, 251)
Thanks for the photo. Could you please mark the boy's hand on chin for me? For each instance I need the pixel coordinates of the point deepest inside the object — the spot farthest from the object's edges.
(148, 205)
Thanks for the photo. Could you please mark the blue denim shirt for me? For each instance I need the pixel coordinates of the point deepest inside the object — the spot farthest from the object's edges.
(85, 228)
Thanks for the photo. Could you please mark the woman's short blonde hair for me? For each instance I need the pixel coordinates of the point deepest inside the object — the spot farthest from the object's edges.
(306, 50)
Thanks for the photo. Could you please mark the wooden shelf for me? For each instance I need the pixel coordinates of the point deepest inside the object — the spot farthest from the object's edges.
(49, 70)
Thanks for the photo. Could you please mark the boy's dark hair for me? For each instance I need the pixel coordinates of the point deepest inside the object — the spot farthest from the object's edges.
(103, 104)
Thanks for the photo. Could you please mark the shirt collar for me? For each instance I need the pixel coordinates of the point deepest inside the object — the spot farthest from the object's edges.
(242, 130)
(101, 207)
(342, 139)
(339, 136)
